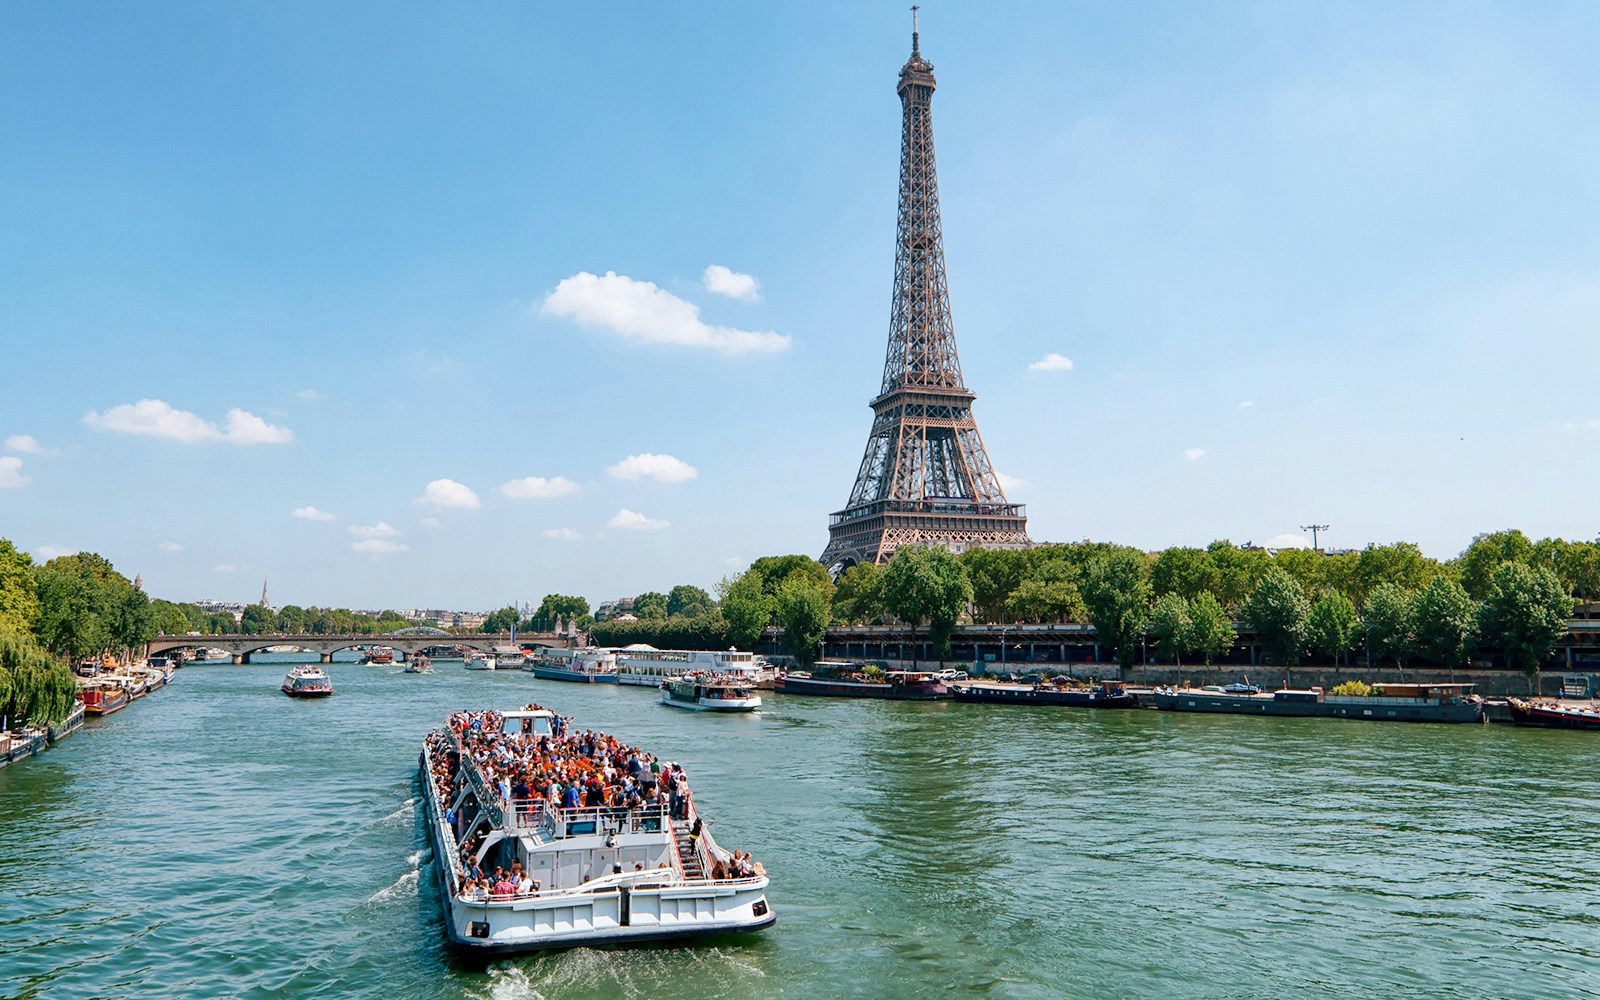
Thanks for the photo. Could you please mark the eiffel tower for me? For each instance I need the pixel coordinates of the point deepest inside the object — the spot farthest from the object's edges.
(925, 478)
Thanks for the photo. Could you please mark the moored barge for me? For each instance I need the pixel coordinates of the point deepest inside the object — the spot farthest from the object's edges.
(1397, 703)
(582, 874)
(1557, 716)
(1109, 694)
(849, 682)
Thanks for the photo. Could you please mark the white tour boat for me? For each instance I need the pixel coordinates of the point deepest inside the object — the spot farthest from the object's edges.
(606, 875)
(709, 693)
(647, 666)
(308, 681)
(585, 666)
(474, 660)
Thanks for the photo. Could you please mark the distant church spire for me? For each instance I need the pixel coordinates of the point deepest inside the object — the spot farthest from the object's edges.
(264, 603)
(138, 582)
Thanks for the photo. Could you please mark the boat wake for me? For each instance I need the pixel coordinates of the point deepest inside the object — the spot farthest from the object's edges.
(405, 885)
(717, 972)
(405, 811)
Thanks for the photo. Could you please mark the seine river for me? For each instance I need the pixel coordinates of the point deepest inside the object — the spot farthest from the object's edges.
(219, 840)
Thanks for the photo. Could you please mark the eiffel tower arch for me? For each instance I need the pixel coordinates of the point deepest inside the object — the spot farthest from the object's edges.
(925, 478)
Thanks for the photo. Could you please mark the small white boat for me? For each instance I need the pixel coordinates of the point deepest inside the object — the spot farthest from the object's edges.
(709, 693)
(307, 681)
(419, 663)
(475, 660)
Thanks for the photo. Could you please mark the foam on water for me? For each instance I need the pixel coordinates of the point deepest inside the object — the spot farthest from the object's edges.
(405, 885)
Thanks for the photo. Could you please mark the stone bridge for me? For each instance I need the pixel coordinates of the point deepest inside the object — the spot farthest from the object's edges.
(403, 643)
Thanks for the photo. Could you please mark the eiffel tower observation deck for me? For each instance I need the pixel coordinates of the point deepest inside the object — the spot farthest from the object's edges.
(925, 478)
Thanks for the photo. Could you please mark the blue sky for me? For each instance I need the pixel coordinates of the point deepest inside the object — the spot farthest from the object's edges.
(1308, 262)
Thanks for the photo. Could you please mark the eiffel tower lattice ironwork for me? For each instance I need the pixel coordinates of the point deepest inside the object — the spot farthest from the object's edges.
(925, 478)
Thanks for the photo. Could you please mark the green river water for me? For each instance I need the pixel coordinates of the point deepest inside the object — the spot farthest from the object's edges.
(219, 840)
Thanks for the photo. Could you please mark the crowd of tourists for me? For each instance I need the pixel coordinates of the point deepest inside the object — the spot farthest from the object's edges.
(565, 770)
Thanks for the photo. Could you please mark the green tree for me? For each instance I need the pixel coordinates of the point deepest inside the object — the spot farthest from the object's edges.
(1211, 631)
(1332, 626)
(771, 571)
(1047, 601)
(1390, 617)
(1447, 623)
(1306, 566)
(746, 607)
(995, 575)
(689, 601)
(1279, 613)
(927, 584)
(650, 606)
(1401, 564)
(257, 620)
(858, 599)
(803, 609)
(1184, 571)
(1524, 615)
(1238, 571)
(291, 619)
(131, 622)
(1169, 623)
(1486, 554)
(500, 620)
(168, 618)
(34, 686)
(72, 620)
(1116, 594)
(555, 607)
(19, 593)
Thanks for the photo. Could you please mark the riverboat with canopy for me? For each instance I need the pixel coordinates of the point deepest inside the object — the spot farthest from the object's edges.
(593, 875)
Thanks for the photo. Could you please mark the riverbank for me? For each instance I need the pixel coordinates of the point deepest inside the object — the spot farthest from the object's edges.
(1488, 683)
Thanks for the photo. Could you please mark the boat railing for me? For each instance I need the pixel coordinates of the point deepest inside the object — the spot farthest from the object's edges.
(548, 822)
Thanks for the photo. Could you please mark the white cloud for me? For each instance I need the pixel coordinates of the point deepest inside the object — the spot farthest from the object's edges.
(1193, 454)
(562, 535)
(661, 468)
(538, 488)
(634, 521)
(1286, 541)
(644, 312)
(1246, 404)
(224, 568)
(170, 547)
(1591, 423)
(449, 493)
(720, 280)
(247, 428)
(382, 529)
(1009, 483)
(1051, 362)
(379, 546)
(45, 553)
(24, 444)
(156, 418)
(310, 394)
(11, 476)
(430, 522)
(312, 514)
(735, 561)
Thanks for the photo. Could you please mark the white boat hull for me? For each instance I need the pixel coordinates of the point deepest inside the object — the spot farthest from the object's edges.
(713, 704)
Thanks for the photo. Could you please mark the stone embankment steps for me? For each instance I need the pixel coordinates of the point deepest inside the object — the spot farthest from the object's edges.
(688, 857)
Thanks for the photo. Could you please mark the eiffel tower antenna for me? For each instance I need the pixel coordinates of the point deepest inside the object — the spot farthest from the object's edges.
(925, 478)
